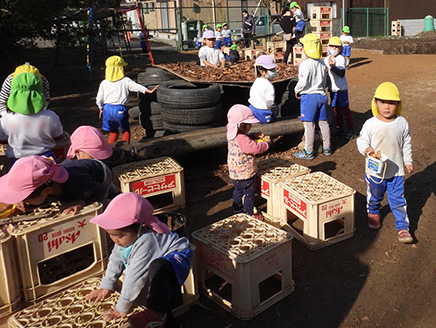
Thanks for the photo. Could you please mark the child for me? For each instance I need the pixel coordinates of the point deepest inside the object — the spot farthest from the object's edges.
(240, 159)
(233, 54)
(299, 19)
(6, 87)
(388, 132)
(262, 93)
(155, 261)
(347, 40)
(310, 89)
(218, 37)
(87, 142)
(338, 87)
(200, 42)
(209, 56)
(227, 35)
(28, 128)
(76, 183)
(113, 96)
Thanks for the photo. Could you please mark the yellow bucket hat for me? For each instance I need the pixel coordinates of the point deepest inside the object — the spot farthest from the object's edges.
(114, 68)
(386, 91)
(27, 68)
(312, 46)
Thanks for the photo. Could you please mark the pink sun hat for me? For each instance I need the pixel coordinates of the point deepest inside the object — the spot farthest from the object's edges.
(89, 139)
(27, 174)
(126, 209)
(236, 115)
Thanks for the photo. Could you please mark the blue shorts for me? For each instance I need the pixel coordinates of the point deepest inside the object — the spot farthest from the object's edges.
(263, 115)
(339, 99)
(181, 262)
(313, 107)
(300, 26)
(227, 41)
(218, 44)
(346, 51)
(114, 117)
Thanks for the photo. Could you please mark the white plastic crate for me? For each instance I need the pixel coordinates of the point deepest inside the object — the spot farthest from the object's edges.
(57, 250)
(273, 47)
(317, 209)
(320, 13)
(396, 28)
(321, 26)
(154, 177)
(70, 309)
(270, 185)
(243, 253)
(10, 298)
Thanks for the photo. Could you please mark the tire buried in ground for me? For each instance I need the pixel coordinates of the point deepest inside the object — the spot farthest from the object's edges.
(172, 127)
(195, 116)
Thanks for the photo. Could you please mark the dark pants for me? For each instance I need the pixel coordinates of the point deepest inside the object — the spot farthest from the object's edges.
(247, 39)
(245, 188)
(289, 45)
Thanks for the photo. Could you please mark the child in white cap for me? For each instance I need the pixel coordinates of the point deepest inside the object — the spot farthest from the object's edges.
(240, 159)
(389, 133)
(155, 261)
(262, 93)
(113, 96)
(208, 55)
(310, 88)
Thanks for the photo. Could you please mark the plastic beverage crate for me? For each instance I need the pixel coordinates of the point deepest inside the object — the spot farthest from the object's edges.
(396, 28)
(298, 53)
(270, 185)
(154, 177)
(273, 47)
(244, 253)
(320, 13)
(322, 205)
(321, 26)
(57, 250)
(70, 309)
(61, 148)
(10, 298)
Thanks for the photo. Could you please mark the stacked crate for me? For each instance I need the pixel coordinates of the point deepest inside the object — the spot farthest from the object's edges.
(276, 49)
(321, 22)
(298, 54)
(396, 28)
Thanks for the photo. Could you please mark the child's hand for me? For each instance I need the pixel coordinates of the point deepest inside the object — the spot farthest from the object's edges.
(369, 150)
(409, 168)
(332, 60)
(113, 314)
(297, 96)
(100, 114)
(73, 207)
(152, 90)
(258, 135)
(98, 295)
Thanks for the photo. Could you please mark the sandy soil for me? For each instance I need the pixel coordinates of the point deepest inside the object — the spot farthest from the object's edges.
(370, 280)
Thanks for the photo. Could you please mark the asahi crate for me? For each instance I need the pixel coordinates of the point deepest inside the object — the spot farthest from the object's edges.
(317, 209)
(321, 13)
(298, 53)
(159, 179)
(324, 36)
(57, 250)
(10, 298)
(273, 47)
(243, 264)
(321, 26)
(270, 185)
(70, 309)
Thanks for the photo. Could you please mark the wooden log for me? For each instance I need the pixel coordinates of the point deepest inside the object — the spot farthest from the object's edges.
(204, 139)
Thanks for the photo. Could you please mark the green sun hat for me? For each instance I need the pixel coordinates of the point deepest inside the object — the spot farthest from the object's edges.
(346, 29)
(234, 47)
(27, 96)
(218, 25)
(223, 24)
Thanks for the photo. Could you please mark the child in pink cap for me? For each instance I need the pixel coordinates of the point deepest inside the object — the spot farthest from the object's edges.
(241, 161)
(35, 178)
(155, 261)
(88, 142)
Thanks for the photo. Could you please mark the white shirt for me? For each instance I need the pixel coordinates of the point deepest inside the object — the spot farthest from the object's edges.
(29, 135)
(218, 35)
(347, 38)
(337, 83)
(312, 77)
(392, 139)
(117, 93)
(298, 14)
(226, 33)
(261, 91)
(212, 55)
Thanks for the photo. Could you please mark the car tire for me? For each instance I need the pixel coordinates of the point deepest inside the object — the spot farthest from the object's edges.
(156, 122)
(134, 112)
(172, 127)
(154, 76)
(194, 116)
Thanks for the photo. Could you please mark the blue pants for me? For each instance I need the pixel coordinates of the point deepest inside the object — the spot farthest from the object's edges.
(245, 188)
(227, 41)
(395, 190)
(339, 99)
(218, 44)
(114, 117)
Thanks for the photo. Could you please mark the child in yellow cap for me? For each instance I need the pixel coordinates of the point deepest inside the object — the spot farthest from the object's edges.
(113, 96)
(388, 133)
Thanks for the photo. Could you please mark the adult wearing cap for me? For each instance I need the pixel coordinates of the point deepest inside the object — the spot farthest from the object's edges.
(227, 35)
(27, 127)
(6, 87)
(113, 96)
(208, 55)
(154, 260)
(240, 159)
(248, 27)
(287, 23)
(310, 88)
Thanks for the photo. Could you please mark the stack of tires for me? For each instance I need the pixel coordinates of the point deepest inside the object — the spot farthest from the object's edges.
(189, 107)
(149, 109)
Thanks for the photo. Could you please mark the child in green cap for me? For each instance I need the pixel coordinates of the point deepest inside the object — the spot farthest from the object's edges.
(347, 40)
(227, 35)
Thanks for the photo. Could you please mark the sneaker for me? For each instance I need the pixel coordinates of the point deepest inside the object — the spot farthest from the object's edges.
(303, 154)
(148, 319)
(374, 221)
(404, 236)
(327, 152)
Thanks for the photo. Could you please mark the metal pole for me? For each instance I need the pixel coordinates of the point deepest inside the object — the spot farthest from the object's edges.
(89, 45)
(213, 14)
(343, 13)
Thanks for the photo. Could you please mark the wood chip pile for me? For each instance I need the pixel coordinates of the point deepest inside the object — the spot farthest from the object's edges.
(242, 72)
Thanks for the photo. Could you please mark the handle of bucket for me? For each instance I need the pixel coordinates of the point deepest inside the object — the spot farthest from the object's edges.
(384, 171)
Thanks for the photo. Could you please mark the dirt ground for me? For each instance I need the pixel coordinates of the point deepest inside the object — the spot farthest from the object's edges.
(370, 280)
